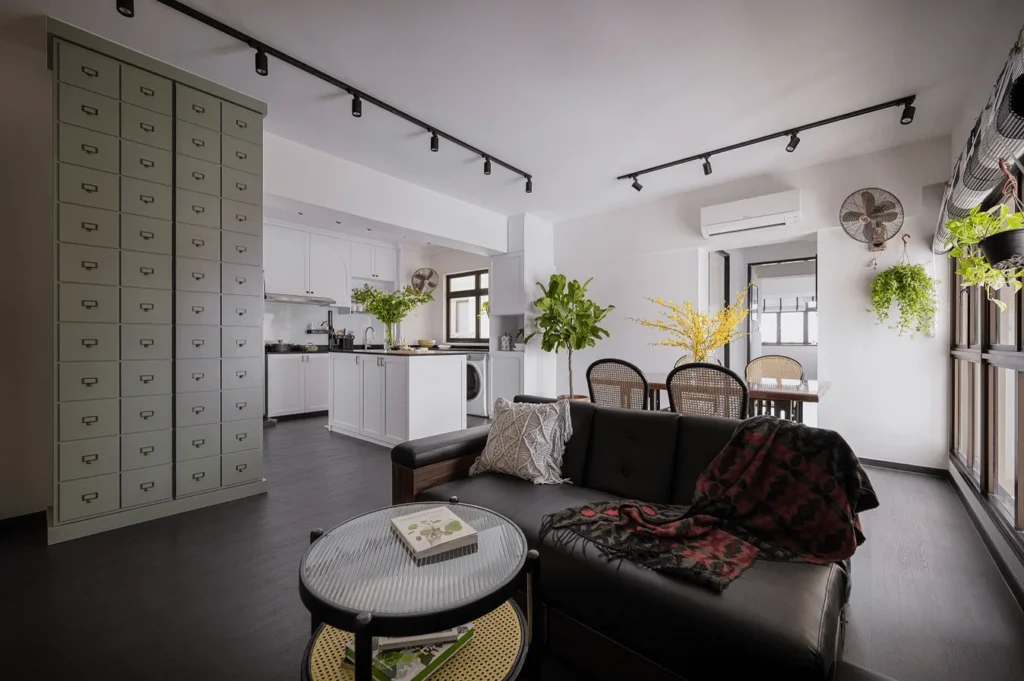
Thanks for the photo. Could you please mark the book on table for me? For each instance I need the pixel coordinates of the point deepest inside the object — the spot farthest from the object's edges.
(433, 532)
(414, 663)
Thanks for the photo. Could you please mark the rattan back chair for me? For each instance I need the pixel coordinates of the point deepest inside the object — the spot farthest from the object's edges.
(707, 389)
(773, 366)
(617, 383)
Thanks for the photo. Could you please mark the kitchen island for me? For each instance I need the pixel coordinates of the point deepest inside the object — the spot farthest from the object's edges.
(391, 397)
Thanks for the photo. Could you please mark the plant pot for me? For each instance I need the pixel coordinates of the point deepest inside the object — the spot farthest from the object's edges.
(577, 398)
(1005, 250)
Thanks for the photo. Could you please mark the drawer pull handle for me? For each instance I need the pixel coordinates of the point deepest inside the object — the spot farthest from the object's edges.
(147, 235)
(197, 175)
(198, 209)
(90, 188)
(241, 467)
(241, 311)
(198, 243)
(241, 436)
(146, 342)
(90, 226)
(198, 142)
(241, 124)
(90, 497)
(241, 155)
(145, 198)
(198, 309)
(146, 271)
(147, 127)
(146, 450)
(198, 109)
(89, 420)
(241, 249)
(241, 405)
(198, 276)
(90, 149)
(89, 265)
(146, 91)
(90, 342)
(90, 458)
(198, 376)
(146, 163)
(198, 410)
(240, 280)
(147, 414)
(146, 378)
(90, 381)
(90, 110)
(146, 486)
(91, 72)
(240, 342)
(241, 186)
(199, 476)
(198, 342)
(241, 373)
(198, 443)
(89, 304)
(146, 307)
(240, 218)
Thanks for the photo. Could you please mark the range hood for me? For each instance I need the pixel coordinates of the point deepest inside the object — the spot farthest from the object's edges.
(295, 299)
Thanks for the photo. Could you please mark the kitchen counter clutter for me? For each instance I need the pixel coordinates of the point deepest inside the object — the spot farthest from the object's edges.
(391, 397)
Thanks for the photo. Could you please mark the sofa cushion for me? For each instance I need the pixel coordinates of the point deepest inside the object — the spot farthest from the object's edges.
(582, 416)
(632, 454)
(527, 441)
(700, 440)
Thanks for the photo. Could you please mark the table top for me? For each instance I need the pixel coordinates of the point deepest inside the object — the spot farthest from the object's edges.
(361, 566)
(800, 390)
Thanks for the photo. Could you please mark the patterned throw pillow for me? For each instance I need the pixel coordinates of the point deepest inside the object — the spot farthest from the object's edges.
(527, 441)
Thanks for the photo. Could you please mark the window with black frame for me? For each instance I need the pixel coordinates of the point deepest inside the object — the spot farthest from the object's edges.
(789, 321)
(466, 295)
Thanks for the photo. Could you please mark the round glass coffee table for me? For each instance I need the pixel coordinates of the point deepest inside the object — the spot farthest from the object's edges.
(359, 578)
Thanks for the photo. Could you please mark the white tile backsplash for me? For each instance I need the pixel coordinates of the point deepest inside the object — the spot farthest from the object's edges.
(288, 322)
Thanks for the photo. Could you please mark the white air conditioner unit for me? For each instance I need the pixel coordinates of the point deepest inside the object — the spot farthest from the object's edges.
(762, 212)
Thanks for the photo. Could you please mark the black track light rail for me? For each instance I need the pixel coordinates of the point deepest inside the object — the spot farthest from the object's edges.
(705, 155)
(255, 44)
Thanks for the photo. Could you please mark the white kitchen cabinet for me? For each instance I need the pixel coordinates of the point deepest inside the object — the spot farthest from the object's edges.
(346, 394)
(317, 375)
(396, 398)
(286, 392)
(284, 260)
(328, 268)
(506, 374)
(362, 261)
(374, 262)
(507, 293)
(372, 390)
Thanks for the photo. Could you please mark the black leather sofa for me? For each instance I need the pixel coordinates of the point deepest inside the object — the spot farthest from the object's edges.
(778, 620)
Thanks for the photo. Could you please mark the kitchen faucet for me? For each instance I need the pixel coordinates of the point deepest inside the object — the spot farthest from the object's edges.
(369, 330)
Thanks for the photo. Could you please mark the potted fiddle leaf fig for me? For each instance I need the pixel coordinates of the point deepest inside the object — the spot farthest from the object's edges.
(989, 248)
(568, 320)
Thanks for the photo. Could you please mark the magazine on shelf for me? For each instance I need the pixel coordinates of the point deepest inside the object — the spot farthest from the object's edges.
(433, 532)
(415, 663)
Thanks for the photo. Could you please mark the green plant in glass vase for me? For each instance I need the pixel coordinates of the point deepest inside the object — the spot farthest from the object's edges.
(390, 307)
(966, 235)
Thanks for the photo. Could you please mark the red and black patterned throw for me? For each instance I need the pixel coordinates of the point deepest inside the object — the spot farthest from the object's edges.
(779, 491)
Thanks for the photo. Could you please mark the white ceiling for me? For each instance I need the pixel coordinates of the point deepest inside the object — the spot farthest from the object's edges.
(577, 91)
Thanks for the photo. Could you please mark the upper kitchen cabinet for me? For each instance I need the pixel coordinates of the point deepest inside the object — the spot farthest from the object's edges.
(304, 264)
(328, 268)
(374, 262)
(507, 293)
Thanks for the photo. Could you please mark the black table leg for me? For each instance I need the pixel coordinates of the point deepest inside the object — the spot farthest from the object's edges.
(313, 621)
(534, 630)
(364, 647)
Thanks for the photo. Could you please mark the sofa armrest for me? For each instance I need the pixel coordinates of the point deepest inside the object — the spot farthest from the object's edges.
(417, 465)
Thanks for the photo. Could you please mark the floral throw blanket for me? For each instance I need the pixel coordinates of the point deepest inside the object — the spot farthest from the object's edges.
(779, 491)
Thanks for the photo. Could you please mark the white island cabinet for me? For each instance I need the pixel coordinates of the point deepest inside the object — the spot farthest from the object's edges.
(389, 398)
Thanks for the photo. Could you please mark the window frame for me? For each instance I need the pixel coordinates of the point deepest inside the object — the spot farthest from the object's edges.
(476, 292)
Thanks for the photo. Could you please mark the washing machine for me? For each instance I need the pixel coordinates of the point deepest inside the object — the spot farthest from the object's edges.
(477, 402)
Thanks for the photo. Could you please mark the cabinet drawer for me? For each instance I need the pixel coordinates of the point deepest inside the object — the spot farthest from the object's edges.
(241, 310)
(243, 249)
(87, 148)
(87, 187)
(197, 142)
(87, 303)
(240, 186)
(87, 419)
(198, 209)
(237, 436)
(146, 341)
(239, 405)
(202, 276)
(87, 110)
(196, 409)
(87, 381)
(197, 375)
(242, 123)
(197, 442)
(88, 226)
(86, 458)
(148, 127)
(142, 450)
(239, 373)
(145, 162)
(197, 309)
(239, 467)
(197, 107)
(197, 175)
(241, 341)
(241, 280)
(146, 377)
(88, 264)
(146, 89)
(145, 198)
(146, 486)
(145, 306)
(141, 414)
(145, 270)
(87, 69)
(242, 155)
(193, 241)
(87, 342)
(197, 342)
(196, 475)
(88, 497)
(147, 235)
(241, 217)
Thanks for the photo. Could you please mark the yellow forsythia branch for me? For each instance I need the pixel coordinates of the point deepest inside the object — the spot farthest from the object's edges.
(698, 333)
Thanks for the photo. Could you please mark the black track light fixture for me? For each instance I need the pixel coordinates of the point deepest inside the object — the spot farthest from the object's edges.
(794, 142)
(487, 166)
(636, 184)
(529, 185)
(262, 65)
(126, 8)
(707, 165)
(434, 142)
(357, 107)
(908, 113)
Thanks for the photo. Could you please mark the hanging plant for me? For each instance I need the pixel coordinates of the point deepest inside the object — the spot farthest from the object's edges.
(913, 291)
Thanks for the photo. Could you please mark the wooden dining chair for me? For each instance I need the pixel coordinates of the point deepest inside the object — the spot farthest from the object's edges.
(706, 389)
(773, 366)
(617, 383)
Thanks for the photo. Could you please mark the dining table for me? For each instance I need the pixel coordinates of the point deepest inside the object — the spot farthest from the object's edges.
(782, 397)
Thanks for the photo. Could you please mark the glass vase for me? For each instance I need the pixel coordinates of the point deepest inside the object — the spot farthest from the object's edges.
(389, 337)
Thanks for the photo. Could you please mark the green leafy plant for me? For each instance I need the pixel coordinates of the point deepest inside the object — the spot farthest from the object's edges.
(568, 319)
(390, 307)
(914, 293)
(965, 235)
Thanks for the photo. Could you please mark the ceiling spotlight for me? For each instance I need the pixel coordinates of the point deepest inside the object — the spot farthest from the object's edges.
(707, 165)
(529, 185)
(908, 113)
(487, 166)
(126, 8)
(794, 142)
(636, 184)
(357, 107)
(433, 141)
(262, 67)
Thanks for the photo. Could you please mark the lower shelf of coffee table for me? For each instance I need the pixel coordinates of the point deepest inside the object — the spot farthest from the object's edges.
(496, 652)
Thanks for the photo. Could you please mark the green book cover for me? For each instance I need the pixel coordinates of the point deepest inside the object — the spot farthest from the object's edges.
(413, 664)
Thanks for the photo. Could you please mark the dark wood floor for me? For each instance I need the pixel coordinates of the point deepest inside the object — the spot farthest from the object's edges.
(212, 594)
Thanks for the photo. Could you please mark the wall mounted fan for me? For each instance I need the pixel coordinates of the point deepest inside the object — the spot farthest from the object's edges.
(425, 280)
(873, 216)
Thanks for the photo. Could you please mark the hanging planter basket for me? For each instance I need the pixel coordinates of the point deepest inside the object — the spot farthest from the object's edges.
(1005, 250)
